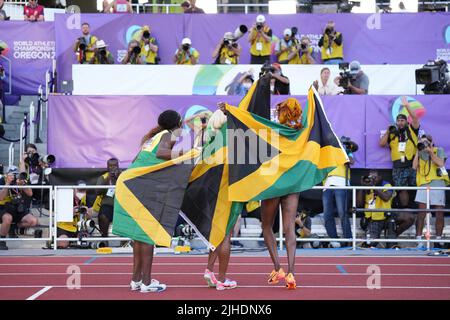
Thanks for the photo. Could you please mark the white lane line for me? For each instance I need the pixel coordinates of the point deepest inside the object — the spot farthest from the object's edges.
(240, 286)
(39, 293)
(230, 273)
(231, 264)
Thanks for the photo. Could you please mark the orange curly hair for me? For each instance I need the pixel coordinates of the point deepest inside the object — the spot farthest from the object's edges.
(290, 113)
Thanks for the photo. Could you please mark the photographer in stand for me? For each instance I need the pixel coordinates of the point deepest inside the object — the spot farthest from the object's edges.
(354, 81)
(375, 222)
(260, 39)
(133, 55)
(101, 55)
(186, 54)
(227, 51)
(85, 45)
(429, 162)
(332, 45)
(81, 223)
(15, 204)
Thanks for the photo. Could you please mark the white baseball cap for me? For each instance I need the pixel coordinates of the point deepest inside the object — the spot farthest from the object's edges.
(260, 19)
(186, 41)
(287, 32)
(100, 44)
(228, 36)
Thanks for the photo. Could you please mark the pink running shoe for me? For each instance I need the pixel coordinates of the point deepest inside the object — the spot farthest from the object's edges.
(210, 278)
(226, 285)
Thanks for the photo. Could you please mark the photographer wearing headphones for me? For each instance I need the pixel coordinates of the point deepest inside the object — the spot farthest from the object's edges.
(15, 204)
(374, 222)
(81, 217)
(402, 140)
(104, 203)
(84, 47)
(332, 45)
(227, 51)
(133, 55)
(337, 198)
(429, 162)
(101, 55)
(149, 46)
(260, 38)
(186, 54)
(354, 81)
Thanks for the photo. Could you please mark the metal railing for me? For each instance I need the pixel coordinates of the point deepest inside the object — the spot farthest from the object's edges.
(280, 239)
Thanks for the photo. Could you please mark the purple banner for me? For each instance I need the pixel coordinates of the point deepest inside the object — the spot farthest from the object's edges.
(85, 131)
(370, 39)
(30, 49)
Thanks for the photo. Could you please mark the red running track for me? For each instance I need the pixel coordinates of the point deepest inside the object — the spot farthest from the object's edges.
(107, 277)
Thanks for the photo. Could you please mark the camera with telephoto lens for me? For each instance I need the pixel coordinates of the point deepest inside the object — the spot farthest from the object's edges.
(136, 50)
(393, 129)
(146, 34)
(185, 231)
(102, 52)
(345, 75)
(329, 31)
(422, 145)
(203, 120)
(48, 159)
(267, 67)
(349, 145)
(82, 44)
(186, 47)
(369, 180)
(259, 26)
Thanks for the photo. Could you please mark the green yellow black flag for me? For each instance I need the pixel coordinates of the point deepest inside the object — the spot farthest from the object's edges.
(205, 202)
(148, 198)
(268, 160)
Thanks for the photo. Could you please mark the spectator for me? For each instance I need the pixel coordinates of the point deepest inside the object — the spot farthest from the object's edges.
(192, 7)
(356, 83)
(286, 49)
(185, 6)
(324, 86)
(279, 83)
(305, 51)
(3, 15)
(402, 139)
(244, 84)
(374, 222)
(198, 123)
(104, 203)
(33, 11)
(227, 50)
(117, 6)
(84, 47)
(133, 55)
(304, 224)
(101, 55)
(80, 213)
(429, 163)
(260, 38)
(15, 204)
(332, 45)
(337, 198)
(2, 90)
(149, 46)
(186, 54)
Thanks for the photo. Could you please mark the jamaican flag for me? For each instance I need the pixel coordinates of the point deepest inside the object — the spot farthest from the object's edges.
(205, 202)
(149, 195)
(268, 160)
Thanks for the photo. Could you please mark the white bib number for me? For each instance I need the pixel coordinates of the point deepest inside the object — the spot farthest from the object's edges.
(227, 61)
(121, 8)
(147, 47)
(110, 192)
(259, 46)
(401, 146)
(372, 205)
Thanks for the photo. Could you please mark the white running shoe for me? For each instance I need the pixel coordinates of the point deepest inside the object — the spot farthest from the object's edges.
(228, 284)
(210, 278)
(135, 286)
(154, 286)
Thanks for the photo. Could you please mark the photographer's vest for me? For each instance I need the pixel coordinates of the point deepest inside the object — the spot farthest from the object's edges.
(185, 58)
(265, 45)
(72, 226)
(7, 199)
(150, 56)
(291, 48)
(427, 171)
(410, 148)
(373, 201)
(303, 59)
(333, 52)
(90, 45)
(228, 56)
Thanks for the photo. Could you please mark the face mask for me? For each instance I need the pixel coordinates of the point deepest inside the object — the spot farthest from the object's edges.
(247, 85)
(80, 195)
